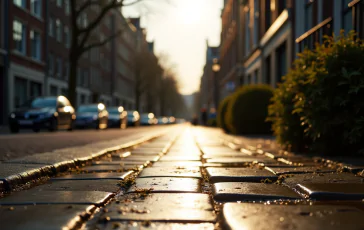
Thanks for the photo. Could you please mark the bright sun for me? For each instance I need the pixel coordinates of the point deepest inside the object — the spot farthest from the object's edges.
(190, 13)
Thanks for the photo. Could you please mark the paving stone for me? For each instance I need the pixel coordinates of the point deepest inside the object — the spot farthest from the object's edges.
(296, 160)
(150, 158)
(41, 158)
(95, 176)
(152, 226)
(121, 155)
(111, 168)
(182, 208)
(333, 191)
(184, 153)
(242, 191)
(56, 197)
(211, 150)
(239, 160)
(83, 185)
(177, 164)
(298, 217)
(189, 172)
(147, 152)
(354, 168)
(44, 217)
(121, 163)
(166, 184)
(231, 154)
(239, 175)
(180, 158)
(299, 170)
(319, 178)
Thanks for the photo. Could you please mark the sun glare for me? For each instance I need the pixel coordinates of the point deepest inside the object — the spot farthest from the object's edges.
(190, 13)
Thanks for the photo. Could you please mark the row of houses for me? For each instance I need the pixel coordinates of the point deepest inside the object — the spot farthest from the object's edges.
(261, 38)
(35, 42)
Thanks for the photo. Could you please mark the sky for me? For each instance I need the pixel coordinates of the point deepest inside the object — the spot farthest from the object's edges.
(180, 29)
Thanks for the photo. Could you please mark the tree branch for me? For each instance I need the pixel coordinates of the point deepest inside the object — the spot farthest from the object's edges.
(85, 5)
(98, 44)
(131, 3)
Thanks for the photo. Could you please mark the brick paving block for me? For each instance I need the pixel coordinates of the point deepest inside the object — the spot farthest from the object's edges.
(180, 158)
(56, 197)
(10, 169)
(184, 153)
(188, 172)
(319, 178)
(95, 176)
(243, 191)
(297, 160)
(299, 170)
(150, 158)
(332, 191)
(163, 207)
(121, 155)
(79, 185)
(239, 160)
(211, 150)
(146, 225)
(121, 163)
(147, 152)
(41, 158)
(166, 184)
(111, 168)
(239, 175)
(44, 217)
(231, 154)
(177, 164)
(299, 217)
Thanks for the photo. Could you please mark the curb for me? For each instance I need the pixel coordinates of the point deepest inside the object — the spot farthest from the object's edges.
(9, 183)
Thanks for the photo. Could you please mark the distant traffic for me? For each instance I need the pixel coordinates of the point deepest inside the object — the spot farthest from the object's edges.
(55, 113)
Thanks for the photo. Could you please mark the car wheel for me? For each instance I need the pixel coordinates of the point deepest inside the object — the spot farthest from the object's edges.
(14, 129)
(54, 125)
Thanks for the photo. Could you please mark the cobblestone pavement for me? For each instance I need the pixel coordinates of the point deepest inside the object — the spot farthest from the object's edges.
(189, 178)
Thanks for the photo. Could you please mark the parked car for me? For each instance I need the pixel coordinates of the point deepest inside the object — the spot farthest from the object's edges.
(117, 117)
(162, 120)
(147, 119)
(133, 118)
(51, 113)
(92, 116)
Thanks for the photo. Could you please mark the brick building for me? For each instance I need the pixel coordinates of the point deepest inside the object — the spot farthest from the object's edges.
(35, 41)
(274, 31)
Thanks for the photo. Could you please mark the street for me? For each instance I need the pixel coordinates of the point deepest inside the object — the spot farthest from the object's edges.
(26, 143)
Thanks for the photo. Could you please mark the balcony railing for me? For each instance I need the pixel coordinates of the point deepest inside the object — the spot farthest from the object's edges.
(315, 35)
(358, 16)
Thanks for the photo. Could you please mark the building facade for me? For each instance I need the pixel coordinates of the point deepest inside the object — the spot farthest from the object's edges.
(35, 40)
(274, 31)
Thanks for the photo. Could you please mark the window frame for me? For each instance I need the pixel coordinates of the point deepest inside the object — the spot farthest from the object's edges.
(39, 52)
(23, 37)
(39, 15)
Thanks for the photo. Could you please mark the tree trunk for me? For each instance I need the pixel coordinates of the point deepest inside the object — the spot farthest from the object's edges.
(72, 81)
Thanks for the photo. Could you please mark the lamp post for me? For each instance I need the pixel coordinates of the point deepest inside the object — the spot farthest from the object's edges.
(215, 70)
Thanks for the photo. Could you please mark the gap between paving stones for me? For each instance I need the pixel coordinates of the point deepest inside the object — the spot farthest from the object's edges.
(17, 181)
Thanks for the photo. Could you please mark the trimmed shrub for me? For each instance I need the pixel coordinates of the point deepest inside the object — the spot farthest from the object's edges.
(248, 110)
(324, 94)
(221, 114)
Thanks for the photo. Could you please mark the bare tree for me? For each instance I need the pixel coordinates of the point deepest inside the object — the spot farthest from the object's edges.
(81, 32)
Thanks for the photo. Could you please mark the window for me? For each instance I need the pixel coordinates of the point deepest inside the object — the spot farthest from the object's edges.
(282, 4)
(268, 14)
(35, 89)
(347, 19)
(67, 8)
(35, 45)
(247, 32)
(308, 15)
(50, 64)
(267, 70)
(20, 91)
(281, 62)
(66, 71)
(36, 7)
(59, 67)
(19, 36)
(59, 3)
(51, 27)
(20, 3)
(59, 30)
(67, 37)
(53, 90)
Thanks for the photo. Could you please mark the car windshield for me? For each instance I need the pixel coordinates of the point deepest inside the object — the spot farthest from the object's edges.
(87, 109)
(41, 103)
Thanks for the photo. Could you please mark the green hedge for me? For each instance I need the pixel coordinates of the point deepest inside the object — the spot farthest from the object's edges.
(248, 109)
(221, 114)
(320, 105)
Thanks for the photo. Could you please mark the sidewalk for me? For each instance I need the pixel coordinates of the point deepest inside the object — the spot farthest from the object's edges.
(193, 178)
